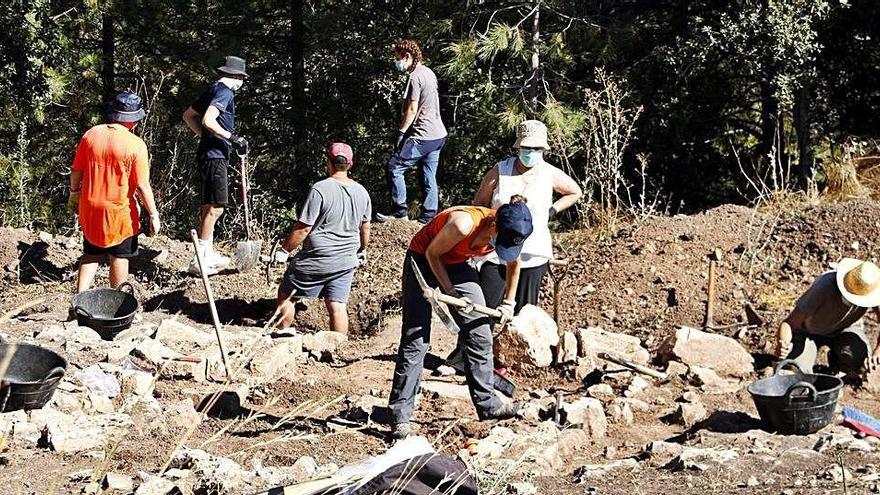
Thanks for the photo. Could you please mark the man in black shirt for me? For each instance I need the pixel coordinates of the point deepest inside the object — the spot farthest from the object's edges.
(212, 118)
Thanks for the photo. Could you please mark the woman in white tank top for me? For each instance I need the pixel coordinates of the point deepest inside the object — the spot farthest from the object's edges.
(529, 175)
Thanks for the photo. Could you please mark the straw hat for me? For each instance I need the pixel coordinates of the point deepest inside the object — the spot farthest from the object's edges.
(859, 282)
(531, 134)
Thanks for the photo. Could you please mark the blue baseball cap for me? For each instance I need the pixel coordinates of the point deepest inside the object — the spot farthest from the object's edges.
(514, 224)
(126, 107)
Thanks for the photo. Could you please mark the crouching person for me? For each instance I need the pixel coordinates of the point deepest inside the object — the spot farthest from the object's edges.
(333, 229)
(442, 250)
(111, 166)
(830, 313)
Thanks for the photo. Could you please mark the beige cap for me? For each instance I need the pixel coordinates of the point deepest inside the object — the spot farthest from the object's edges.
(859, 282)
(531, 134)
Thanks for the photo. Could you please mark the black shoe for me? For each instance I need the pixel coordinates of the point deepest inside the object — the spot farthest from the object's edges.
(380, 218)
(505, 411)
(424, 220)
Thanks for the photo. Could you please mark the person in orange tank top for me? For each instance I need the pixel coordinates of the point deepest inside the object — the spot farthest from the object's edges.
(111, 165)
(442, 250)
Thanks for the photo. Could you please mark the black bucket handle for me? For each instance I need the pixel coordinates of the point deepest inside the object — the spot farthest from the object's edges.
(810, 395)
(83, 312)
(55, 374)
(786, 363)
(131, 290)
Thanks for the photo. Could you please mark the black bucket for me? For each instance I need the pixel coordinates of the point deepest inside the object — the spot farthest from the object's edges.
(106, 311)
(797, 404)
(31, 378)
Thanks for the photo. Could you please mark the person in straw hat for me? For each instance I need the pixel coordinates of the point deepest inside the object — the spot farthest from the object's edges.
(830, 314)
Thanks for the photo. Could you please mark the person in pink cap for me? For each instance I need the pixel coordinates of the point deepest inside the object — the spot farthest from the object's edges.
(332, 232)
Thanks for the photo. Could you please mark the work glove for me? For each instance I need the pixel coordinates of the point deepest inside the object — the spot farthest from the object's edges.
(398, 144)
(73, 201)
(281, 256)
(239, 143)
(507, 308)
(362, 257)
(155, 224)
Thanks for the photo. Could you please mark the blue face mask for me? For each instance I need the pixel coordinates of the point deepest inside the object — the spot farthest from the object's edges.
(530, 158)
(400, 65)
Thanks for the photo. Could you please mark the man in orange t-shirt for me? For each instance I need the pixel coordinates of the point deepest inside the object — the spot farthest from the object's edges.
(110, 166)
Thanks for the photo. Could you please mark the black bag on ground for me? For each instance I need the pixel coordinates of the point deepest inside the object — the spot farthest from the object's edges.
(423, 475)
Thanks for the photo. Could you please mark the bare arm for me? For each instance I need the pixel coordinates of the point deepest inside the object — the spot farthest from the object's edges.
(145, 191)
(457, 228)
(786, 329)
(296, 237)
(76, 180)
(512, 282)
(483, 196)
(365, 234)
(209, 122)
(569, 190)
(409, 114)
(193, 121)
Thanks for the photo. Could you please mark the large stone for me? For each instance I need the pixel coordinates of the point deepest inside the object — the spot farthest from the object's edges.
(175, 331)
(366, 408)
(154, 352)
(137, 382)
(567, 351)
(702, 459)
(323, 345)
(589, 471)
(78, 434)
(212, 473)
(722, 354)
(621, 413)
(595, 340)
(661, 452)
(17, 430)
(181, 413)
(277, 358)
(528, 339)
(190, 369)
(118, 482)
(601, 391)
(155, 485)
(588, 413)
(709, 381)
(689, 414)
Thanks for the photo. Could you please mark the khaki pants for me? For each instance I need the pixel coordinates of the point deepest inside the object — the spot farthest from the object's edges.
(848, 349)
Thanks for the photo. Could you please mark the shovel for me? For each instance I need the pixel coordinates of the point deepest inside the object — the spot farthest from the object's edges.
(439, 303)
(247, 252)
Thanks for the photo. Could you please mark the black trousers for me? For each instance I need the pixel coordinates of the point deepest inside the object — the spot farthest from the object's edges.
(493, 277)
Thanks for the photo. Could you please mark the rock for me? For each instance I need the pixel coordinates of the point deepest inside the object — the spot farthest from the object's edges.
(532, 411)
(600, 391)
(711, 383)
(584, 473)
(228, 404)
(637, 385)
(181, 413)
(78, 434)
(45, 237)
(137, 382)
(661, 452)
(528, 340)
(213, 474)
(118, 482)
(570, 441)
(621, 413)
(676, 368)
(100, 403)
(585, 366)
(588, 413)
(690, 396)
(871, 381)
(838, 474)
(174, 331)
(842, 438)
(367, 408)
(446, 390)
(522, 488)
(567, 350)
(81, 338)
(701, 459)
(196, 371)
(594, 340)
(722, 354)
(155, 485)
(278, 357)
(68, 402)
(53, 333)
(322, 345)
(689, 414)
(133, 334)
(307, 467)
(154, 352)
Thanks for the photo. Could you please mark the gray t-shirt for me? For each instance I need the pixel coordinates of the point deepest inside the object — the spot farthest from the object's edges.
(422, 88)
(335, 210)
(826, 313)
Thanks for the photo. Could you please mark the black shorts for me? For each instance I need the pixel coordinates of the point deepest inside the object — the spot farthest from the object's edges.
(125, 249)
(215, 182)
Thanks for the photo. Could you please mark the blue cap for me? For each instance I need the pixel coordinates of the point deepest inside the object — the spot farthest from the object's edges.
(126, 107)
(514, 225)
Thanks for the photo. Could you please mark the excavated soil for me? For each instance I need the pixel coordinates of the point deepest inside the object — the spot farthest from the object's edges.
(645, 280)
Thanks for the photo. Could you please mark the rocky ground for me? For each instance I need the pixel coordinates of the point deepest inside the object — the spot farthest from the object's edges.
(303, 403)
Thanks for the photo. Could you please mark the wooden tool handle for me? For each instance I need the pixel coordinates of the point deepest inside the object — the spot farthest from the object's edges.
(210, 295)
(244, 196)
(461, 303)
(710, 298)
(633, 366)
(558, 262)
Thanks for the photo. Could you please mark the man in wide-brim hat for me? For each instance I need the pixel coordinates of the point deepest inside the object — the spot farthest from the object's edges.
(212, 118)
(830, 313)
(110, 167)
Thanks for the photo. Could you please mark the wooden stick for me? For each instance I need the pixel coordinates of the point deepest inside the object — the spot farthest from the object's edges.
(633, 366)
(210, 294)
(18, 309)
(710, 299)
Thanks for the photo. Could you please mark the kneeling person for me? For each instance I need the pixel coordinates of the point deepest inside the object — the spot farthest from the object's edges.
(333, 230)
(831, 314)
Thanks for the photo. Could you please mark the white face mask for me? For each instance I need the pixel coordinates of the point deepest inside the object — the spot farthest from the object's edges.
(231, 83)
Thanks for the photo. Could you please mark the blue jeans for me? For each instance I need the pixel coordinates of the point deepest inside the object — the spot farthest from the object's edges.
(412, 152)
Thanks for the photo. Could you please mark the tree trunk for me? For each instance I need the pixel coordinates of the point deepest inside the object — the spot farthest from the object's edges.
(535, 86)
(769, 124)
(806, 160)
(298, 99)
(108, 54)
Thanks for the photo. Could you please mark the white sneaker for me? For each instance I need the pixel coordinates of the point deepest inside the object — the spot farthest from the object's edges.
(218, 261)
(194, 268)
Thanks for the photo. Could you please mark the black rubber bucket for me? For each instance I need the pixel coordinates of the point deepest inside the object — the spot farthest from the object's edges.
(106, 311)
(797, 404)
(31, 378)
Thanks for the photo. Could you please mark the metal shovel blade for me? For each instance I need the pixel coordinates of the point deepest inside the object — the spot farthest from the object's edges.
(247, 255)
(439, 308)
